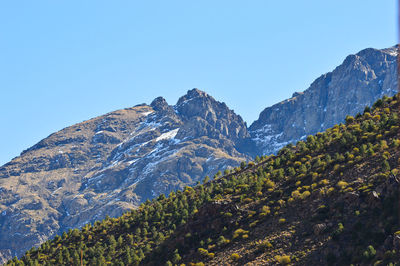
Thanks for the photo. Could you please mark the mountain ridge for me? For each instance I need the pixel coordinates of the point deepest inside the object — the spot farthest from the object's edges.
(328, 200)
(361, 79)
(110, 164)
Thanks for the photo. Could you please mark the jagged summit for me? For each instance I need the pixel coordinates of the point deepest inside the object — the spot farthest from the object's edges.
(394, 50)
(357, 82)
(162, 108)
(192, 95)
(159, 103)
(195, 92)
(215, 117)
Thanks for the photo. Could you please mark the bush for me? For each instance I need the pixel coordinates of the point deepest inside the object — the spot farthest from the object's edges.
(235, 256)
(239, 232)
(385, 166)
(324, 182)
(265, 210)
(369, 253)
(263, 245)
(222, 241)
(378, 103)
(296, 194)
(283, 260)
(202, 251)
(338, 231)
(247, 200)
(228, 214)
(349, 119)
(305, 194)
(342, 184)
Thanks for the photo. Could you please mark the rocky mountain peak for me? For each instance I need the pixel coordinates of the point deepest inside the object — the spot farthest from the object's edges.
(212, 118)
(193, 97)
(161, 106)
(193, 93)
(197, 103)
(159, 103)
(394, 50)
(357, 82)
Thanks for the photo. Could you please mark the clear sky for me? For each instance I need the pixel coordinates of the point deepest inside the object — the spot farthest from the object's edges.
(62, 62)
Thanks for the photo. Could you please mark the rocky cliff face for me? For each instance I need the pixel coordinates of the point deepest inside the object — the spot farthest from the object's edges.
(359, 81)
(112, 163)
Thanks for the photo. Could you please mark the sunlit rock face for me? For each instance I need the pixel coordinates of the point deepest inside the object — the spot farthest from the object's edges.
(358, 82)
(112, 163)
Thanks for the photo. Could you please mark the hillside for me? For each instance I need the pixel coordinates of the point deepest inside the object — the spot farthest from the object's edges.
(331, 199)
(112, 163)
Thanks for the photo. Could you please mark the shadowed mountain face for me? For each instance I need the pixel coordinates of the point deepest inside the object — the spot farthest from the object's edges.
(358, 82)
(112, 163)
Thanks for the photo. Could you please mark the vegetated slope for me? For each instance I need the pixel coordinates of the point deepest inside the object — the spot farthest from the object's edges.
(331, 199)
(359, 81)
(112, 163)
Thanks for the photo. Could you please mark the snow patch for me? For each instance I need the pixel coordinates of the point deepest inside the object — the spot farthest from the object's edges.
(131, 162)
(168, 135)
(147, 113)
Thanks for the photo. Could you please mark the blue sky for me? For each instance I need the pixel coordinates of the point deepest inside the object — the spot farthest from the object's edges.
(62, 62)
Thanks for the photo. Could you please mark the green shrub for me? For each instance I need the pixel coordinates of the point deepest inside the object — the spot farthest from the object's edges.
(283, 260)
(235, 256)
(202, 251)
(222, 241)
(305, 194)
(342, 184)
(239, 232)
(263, 245)
(369, 253)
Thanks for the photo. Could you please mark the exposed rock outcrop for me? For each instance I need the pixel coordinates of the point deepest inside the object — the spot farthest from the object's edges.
(107, 165)
(358, 82)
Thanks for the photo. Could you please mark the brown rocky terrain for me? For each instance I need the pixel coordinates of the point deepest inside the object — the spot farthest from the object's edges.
(109, 164)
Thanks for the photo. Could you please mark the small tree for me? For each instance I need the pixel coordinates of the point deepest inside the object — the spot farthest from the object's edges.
(176, 257)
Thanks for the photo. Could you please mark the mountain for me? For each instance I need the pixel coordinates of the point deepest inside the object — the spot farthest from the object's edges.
(330, 200)
(358, 82)
(113, 163)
